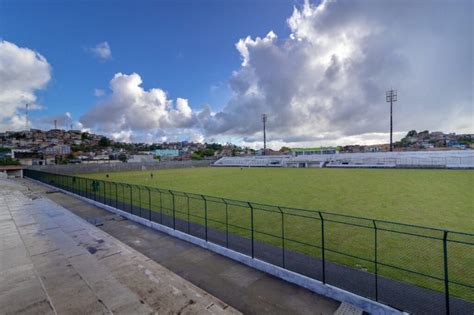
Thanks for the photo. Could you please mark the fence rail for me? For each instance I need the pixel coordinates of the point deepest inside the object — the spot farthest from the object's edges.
(412, 268)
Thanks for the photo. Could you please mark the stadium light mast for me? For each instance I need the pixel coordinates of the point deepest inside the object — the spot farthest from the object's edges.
(390, 97)
(26, 112)
(264, 120)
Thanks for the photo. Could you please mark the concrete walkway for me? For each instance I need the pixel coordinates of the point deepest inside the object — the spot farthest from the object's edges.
(53, 262)
(242, 287)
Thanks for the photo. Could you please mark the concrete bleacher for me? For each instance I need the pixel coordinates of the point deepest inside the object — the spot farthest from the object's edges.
(253, 161)
(416, 159)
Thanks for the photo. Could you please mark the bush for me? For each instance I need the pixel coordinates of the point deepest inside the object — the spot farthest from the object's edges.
(8, 161)
(196, 156)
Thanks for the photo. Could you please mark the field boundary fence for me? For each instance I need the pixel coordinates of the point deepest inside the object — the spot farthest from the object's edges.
(412, 268)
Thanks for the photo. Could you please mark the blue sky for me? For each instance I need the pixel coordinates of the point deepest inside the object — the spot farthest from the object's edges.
(184, 47)
(207, 70)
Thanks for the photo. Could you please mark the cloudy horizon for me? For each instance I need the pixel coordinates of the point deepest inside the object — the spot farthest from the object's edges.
(322, 82)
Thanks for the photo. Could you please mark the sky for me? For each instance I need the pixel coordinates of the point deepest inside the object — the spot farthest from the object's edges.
(153, 71)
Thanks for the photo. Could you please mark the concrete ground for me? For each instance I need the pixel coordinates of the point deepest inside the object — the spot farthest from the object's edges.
(247, 290)
(54, 262)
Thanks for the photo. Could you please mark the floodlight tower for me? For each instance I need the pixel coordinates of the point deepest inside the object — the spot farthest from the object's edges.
(26, 113)
(264, 120)
(390, 97)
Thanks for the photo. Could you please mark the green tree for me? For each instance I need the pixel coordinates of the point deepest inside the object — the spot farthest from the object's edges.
(85, 136)
(122, 157)
(104, 142)
(195, 156)
(208, 152)
(214, 146)
(411, 133)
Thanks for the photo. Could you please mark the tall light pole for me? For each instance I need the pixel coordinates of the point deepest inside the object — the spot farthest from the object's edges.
(26, 110)
(264, 120)
(390, 97)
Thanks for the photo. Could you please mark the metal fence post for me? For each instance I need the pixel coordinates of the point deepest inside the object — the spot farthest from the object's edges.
(322, 247)
(124, 193)
(174, 211)
(149, 204)
(104, 197)
(205, 215)
(131, 199)
(446, 279)
(376, 262)
(282, 236)
(122, 201)
(161, 208)
(140, 199)
(226, 224)
(116, 196)
(189, 223)
(251, 228)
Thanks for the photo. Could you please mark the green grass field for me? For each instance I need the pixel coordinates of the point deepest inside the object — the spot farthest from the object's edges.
(432, 198)
(436, 198)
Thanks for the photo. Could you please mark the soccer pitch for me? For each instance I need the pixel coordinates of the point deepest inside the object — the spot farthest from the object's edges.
(435, 198)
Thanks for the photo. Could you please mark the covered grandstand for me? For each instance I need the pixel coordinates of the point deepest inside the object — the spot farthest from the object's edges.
(416, 159)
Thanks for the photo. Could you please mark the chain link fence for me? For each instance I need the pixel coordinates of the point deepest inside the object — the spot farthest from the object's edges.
(416, 269)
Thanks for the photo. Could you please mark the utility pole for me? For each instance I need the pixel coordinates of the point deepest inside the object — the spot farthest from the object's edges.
(26, 116)
(264, 120)
(390, 97)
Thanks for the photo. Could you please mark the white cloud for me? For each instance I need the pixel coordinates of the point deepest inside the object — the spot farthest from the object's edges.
(131, 108)
(101, 50)
(22, 73)
(99, 92)
(326, 83)
(122, 136)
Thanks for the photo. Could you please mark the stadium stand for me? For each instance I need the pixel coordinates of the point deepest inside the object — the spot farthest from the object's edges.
(253, 161)
(417, 159)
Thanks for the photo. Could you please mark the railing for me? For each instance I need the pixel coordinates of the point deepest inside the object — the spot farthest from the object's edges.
(413, 268)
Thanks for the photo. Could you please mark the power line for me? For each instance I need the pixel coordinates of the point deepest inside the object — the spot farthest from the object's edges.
(390, 97)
